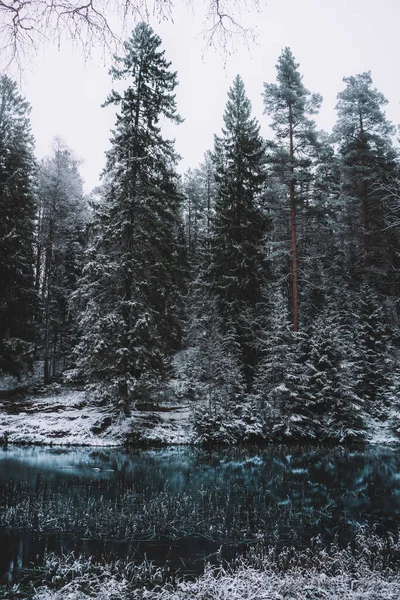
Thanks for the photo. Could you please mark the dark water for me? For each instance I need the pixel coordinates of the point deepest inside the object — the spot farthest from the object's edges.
(183, 505)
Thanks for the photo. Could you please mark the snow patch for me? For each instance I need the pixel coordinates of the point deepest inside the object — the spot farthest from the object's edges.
(73, 418)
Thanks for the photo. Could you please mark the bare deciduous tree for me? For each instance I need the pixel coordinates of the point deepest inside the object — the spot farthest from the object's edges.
(25, 24)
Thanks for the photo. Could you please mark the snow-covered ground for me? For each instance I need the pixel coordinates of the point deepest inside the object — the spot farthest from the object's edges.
(67, 417)
(73, 418)
(63, 419)
(381, 432)
(383, 426)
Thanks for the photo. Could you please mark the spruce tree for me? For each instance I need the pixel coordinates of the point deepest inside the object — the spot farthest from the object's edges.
(17, 223)
(134, 277)
(237, 271)
(290, 105)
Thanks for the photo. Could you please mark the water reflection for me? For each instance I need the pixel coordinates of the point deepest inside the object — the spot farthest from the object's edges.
(183, 505)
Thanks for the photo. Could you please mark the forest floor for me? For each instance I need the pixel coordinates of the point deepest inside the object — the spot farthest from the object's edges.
(72, 418)
(59, 415)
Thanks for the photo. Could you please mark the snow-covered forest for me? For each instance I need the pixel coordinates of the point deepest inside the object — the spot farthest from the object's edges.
(265, 281)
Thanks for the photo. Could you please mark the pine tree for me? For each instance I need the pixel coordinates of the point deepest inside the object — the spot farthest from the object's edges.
(290, 105)
(237, 271)
(218, 366)
(17, 208)
(200, 190)
(134, 278)
(368, 160)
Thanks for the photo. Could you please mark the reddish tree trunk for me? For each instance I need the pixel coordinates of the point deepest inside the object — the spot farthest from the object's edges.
(295, 302)
(367, 255)
(365, 206)
(295, 296)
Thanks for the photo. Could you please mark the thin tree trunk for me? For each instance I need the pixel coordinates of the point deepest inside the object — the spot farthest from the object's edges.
(55, 354)
(295, 301)
(366, 237)
(189, 224)
(46, 369)
(365, 207)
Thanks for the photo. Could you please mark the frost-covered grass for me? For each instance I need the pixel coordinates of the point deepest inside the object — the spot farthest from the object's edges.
(116, 512)
(245, 583)
(368, 571)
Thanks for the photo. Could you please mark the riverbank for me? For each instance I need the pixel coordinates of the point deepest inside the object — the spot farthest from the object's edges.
(73, 418)
(61, 415)
(65, 417)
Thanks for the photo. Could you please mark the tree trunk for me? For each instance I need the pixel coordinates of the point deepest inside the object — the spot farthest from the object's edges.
(366, 240)
(46, 369)
(365, 206)
(295, 302)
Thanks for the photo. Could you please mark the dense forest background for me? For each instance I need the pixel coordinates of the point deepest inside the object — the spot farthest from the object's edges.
(270, 271)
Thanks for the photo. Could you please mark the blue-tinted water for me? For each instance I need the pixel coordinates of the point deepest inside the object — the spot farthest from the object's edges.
(185, 505)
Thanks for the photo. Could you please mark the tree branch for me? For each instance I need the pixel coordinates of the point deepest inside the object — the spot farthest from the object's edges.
(26, 23)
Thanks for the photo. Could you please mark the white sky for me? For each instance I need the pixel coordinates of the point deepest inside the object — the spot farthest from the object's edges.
(329, 38)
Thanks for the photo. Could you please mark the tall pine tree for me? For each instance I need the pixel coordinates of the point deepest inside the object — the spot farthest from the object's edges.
(17, 208)
(133, 280)
(368, 163)
(290, 105)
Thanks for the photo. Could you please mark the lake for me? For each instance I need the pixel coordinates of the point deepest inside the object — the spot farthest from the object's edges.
(184, 506)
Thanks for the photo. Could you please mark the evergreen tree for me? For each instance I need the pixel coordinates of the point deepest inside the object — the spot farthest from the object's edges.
(333, 377)
(200, 192)
(194, 212)
(218, 371)
(368, 160)
(17, 208)
(237, 271)
(373, 337)
(133, 281)
(61, 219)
(321, 246)
(290, 105)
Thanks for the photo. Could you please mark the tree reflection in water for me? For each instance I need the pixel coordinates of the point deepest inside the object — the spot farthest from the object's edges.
(183, 505)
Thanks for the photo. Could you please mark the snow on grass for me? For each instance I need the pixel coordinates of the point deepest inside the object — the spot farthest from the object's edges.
(324, 575)
(174, 427)
(246, 584)
(252, 584)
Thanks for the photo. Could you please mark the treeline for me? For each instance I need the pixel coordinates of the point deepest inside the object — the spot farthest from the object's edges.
(274, 265)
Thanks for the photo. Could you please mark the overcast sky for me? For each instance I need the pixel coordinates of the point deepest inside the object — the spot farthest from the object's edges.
(329, 38)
